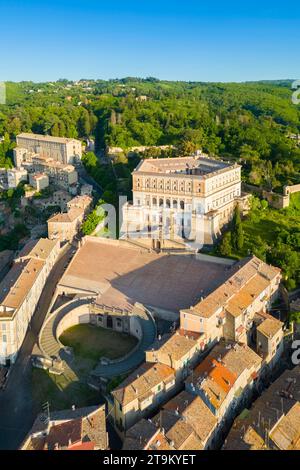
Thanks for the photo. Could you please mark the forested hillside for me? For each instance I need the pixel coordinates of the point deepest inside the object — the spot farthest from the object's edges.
(247, 122)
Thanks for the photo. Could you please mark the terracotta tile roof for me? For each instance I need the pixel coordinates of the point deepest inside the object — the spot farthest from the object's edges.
(145, 435)
(160, 442)
(24, 273)
(40, 249)
(250, 428)
(80, 201)
(67, 217)
(79, 429)
(64, 434)
(219, 371)
(270, 327)
(214, 379)
(236, 356)
(140, 383)
(18, 282)
(286, 432)
(250, 278)
(187, 421)
(176, 345)
(82, 446)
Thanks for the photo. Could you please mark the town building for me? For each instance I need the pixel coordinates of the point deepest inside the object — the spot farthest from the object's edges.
(225, 377)
(179, 350)
(273, 421)
(39, 181)
(15, 176)
(269, 338)
(86, 190)
(20, 291)
(62, 175)
(230, 309)
(143, 391)
(65, 226)
(75, 429)
(186, 197)
(61, 198)
(183, 423)
(188, 423)
(80, 202)
(60, 149)
(145, 435)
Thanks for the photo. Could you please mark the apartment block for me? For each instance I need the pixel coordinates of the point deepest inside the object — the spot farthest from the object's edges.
(188, 422)
(269, 338)
(183, 423)
(180, 350)
(65, 226)
(20, 291)
(144, 390)
(273, 421)
(230, 309)
(225, 377)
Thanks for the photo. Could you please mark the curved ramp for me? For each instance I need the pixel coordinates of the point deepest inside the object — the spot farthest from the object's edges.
(48, 341)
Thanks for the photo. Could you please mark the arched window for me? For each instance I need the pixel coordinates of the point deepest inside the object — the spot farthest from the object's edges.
(168, 204)
(175, 204)
(182, 205)
(161, 203)
(154, 201)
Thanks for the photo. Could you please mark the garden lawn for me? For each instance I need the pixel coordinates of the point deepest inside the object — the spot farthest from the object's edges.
(94, 342)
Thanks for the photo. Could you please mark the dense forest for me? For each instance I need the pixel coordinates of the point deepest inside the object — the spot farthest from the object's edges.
(254, 123)
(249, 122)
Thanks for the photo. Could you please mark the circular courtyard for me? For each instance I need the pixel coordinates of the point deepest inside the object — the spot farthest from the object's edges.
(94, 342)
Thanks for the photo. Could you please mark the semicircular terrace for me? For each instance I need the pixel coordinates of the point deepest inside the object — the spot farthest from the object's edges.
(84, 310)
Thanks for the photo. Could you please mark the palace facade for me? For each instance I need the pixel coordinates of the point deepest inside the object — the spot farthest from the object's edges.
(186, 197)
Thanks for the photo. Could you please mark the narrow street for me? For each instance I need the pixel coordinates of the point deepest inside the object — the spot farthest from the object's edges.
(17, 410)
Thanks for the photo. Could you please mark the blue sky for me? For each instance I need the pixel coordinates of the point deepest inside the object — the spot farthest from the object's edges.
(173, 40)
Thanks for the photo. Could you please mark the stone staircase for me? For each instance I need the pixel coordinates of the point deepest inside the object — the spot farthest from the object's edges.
(48, 343)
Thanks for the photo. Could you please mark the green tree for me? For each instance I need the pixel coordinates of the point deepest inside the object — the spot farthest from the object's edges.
(237, 230)
(226, 244)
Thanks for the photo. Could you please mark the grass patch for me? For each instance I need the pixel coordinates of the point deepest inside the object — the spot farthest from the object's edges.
(61, 392)
(93, 342)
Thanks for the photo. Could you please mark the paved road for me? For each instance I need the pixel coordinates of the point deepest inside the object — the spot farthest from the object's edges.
(17, 410)
(86, 178)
